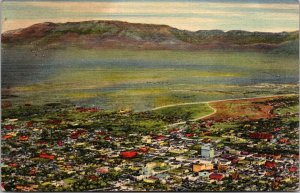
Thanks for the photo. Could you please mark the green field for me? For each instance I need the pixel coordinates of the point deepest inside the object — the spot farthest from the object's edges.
(291, 109)
(185, 112)
(142, 80)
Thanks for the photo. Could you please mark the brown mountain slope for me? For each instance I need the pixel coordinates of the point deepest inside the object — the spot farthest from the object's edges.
(117, 34)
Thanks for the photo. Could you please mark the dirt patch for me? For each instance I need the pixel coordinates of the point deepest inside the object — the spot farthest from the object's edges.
(242, 109)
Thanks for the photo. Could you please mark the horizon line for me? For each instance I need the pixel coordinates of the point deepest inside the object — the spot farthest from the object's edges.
(122, 21)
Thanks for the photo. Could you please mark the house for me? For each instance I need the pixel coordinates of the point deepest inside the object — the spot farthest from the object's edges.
(23, 138)
(150, 180)
(155, 164)
(146, 139)
(160, 137)
(244, 153)
(283, 140)
(216, 176)
(101, 133)
(60, 143)
(189, 134)
(162, 176)
(8, 127)
(275, 185)
(128, 154)
(13, 164)
(143, 149)
(32, 171)
(222, 167)
(227, 156)
(234, 152)
(202, 167)
(223, 161)
(270, 164)
(102, 170)
(2, 187)
(204, 174)
(293, 169)
(235, 160)
(277, 156)
(77, 134)
(177, 151)
(258, 135)
(259, 162)
(29, 124)
(193, 178)
(206, 140)
(147, 171)
(235, 175)
(46, 156)
(7, 136)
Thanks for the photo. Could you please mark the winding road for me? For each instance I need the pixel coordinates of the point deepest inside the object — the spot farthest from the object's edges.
(214, 110)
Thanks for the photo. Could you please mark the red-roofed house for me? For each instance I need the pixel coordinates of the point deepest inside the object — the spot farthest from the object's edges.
(283, 140)
(7, 136)
(160, 137)
(60, 143)
(293, 169)
(128, 154)
(189, 134)
(23, 138)
(261, 135)
(216, 176)
(47, 156)
(270, 164)
(12, 164)
(143, 149)
(8, 127)
(29, 124)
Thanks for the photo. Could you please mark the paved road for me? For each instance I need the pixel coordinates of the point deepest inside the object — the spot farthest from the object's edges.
(214, 110)
(222, 100)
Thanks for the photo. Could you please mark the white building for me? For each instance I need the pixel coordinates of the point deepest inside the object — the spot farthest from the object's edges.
(207, 151)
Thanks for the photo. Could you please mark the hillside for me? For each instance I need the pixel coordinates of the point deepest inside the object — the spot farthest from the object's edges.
(117, 34)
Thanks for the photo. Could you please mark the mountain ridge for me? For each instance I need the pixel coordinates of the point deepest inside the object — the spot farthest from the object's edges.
(119, 34)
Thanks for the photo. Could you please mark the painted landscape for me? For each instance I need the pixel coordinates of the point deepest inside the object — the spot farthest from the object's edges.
(109, 105)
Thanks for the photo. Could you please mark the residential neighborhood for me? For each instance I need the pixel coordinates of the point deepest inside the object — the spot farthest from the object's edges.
(68, 148)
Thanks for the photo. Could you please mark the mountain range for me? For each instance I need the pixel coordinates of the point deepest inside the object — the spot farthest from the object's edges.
(118, 34)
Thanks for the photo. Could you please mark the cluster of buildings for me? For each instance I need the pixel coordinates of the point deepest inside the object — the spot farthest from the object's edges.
(188, 157)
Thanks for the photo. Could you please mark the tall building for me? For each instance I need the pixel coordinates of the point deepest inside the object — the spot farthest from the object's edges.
(207, 151)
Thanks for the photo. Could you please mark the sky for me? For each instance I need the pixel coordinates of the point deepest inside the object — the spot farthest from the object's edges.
(193, 15)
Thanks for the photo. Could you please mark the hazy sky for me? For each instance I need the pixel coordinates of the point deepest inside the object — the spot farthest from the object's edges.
(262, 15)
